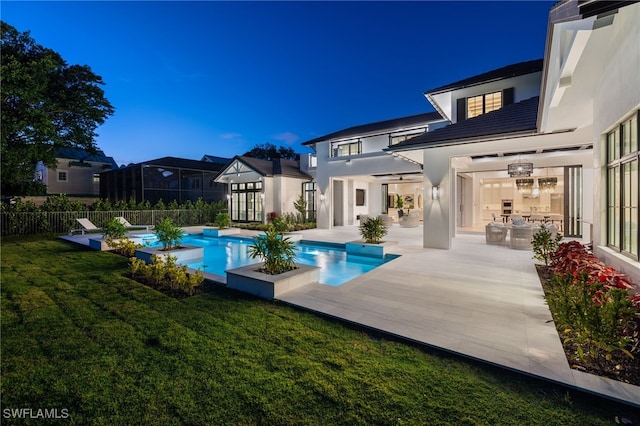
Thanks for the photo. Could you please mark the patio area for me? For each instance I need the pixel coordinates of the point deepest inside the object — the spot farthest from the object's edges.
(480, 301)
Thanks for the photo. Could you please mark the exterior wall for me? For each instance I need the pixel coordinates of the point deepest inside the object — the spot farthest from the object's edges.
(79, 178)
(289, 189)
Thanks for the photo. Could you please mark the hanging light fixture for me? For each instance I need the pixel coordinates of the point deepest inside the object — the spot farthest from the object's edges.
(547, 184)
(524, 185)
(520, 168)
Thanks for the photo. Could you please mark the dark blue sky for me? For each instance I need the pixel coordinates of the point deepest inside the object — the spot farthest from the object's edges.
(195, 78)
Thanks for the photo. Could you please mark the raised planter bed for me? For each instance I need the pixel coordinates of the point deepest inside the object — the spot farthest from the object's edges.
(361, 248)
(249, 280)
(217, 232)
(183, 254)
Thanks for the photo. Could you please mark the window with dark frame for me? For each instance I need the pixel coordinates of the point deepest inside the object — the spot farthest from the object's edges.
(360, 197)
(345, 149)
(309, 194)
(623, 184)
(62, 176)
(246, 202)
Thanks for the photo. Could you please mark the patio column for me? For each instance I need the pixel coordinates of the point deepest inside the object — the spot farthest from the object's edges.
(438, 213)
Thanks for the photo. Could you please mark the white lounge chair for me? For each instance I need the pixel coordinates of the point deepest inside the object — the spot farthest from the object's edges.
(496, 233)
(86, 224)
(126, 223)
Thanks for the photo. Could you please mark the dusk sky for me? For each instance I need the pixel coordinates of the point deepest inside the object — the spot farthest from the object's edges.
(194, 78)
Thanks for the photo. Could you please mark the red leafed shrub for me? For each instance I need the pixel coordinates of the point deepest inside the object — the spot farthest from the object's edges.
(271, 216)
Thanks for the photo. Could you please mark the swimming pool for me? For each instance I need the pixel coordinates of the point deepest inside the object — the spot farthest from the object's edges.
(336, 267)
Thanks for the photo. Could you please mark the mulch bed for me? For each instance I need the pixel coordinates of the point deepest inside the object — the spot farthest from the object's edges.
(621, 367)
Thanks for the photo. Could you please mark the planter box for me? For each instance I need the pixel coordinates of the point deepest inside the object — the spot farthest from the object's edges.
(99, 244)
(361, 248)
(217, 232)
(185, 254)
(249, 280)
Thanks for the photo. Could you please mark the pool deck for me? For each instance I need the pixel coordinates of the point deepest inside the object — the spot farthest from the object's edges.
(479, 301)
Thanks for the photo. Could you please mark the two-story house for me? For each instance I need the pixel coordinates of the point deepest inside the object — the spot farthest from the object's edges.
(77, 172)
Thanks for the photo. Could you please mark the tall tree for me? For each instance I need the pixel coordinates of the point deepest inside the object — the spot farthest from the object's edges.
(46, 104)
(269, 151)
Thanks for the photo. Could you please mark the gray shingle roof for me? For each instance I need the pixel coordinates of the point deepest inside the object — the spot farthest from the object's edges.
(81, 155)
(277, 167)
(515, 118)
(379, 126)
(215, 159)
(508, 71)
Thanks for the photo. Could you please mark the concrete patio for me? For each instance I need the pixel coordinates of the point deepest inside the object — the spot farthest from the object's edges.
(480, 301)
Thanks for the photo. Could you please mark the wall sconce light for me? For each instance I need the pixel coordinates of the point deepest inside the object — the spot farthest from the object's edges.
(321, 197)
(228, 196)
(435, 192)
(262, 195)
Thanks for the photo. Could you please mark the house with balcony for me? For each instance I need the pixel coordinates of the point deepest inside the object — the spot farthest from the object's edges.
(555, 138)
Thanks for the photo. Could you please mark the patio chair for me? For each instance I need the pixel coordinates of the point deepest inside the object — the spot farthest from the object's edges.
(126, 223)
(521, 236)
(411, 220)
(496, 233)
(86, 224)
(388, 220)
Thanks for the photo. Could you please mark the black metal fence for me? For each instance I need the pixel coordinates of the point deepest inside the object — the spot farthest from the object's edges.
(30, 223)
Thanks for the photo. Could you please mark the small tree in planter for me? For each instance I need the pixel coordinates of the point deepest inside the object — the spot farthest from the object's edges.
(372, 230)
(223, 220)
(544, 244)
(113, 230)
(277, 252)
(168, 233)
(301, 206)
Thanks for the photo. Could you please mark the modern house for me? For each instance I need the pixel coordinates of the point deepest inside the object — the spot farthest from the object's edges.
(556, 138)
(257, 186)
(77, 172)
(166, 179)
(354, 175)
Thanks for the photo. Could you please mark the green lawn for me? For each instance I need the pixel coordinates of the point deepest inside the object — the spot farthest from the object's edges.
(78, 334)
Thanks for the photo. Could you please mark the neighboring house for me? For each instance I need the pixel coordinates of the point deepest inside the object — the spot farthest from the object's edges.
(259, 187)
(356, 176)
(572, 117)
(77, 172)
(166, 179)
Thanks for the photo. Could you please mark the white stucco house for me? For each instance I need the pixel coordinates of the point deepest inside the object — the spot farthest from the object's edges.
(572, 117)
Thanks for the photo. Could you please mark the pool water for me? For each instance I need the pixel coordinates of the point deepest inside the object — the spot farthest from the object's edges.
(336, 267)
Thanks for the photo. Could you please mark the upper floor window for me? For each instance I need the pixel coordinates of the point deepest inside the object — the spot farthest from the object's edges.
(481, 104)
(62, 175)
(393, 140)
(345, 149)
(96, 178)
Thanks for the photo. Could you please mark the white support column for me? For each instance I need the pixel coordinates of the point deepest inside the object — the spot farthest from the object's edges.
(438, 218)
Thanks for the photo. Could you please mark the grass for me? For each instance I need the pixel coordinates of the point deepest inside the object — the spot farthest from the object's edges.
(78, 334)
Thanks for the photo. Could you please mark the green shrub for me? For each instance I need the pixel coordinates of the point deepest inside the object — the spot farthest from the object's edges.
(165, 273)
(168, 233)
(277, 252)
(113, 229)
(280, 225)
(125, 246)
(222, 220)
(544, 244)
(372, 230)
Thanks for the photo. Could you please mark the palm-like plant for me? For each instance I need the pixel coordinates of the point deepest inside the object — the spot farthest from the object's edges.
(372, 230)
(168, 233)
(277, 252)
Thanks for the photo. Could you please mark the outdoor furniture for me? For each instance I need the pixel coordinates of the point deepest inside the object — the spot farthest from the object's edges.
(521, 236)
(126, 223)
(86, 224)
(496, 233)
(363, 218)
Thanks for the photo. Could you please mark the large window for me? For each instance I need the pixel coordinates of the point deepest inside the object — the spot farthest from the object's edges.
(345, 149)
(482, 104)
(246, 202)
(396, 139)
(622, 187)
(309, 193)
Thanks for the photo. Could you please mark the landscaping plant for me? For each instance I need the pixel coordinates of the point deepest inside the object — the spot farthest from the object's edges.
(594, 309)
(164, 273)
(544, 244)
(222, 220)
(115, 234)
(168, 233)
(276, 251)
(372, 230)
(301, 206)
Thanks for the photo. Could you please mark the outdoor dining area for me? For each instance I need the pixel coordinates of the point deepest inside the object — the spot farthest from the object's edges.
(517, 233)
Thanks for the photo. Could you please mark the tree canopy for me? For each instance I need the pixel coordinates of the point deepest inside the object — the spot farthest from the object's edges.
(46, 104)
(269, 151)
